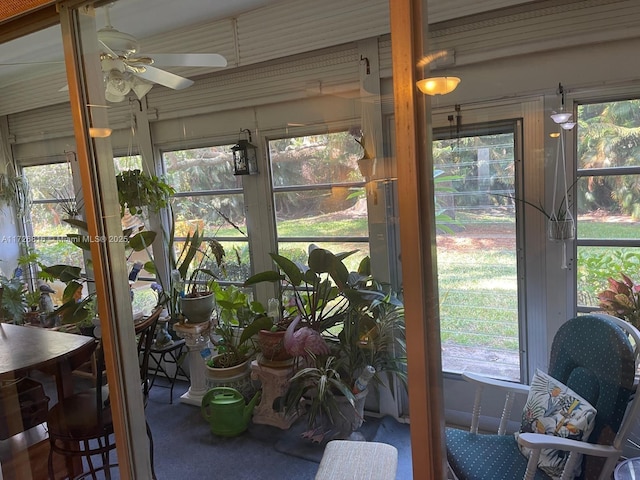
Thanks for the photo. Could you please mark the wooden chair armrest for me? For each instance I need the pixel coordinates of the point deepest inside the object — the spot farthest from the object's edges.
(511, 389)
(540, 440)
(504, 385)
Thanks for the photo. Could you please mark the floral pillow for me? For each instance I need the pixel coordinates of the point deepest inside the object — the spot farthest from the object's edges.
(554, 409)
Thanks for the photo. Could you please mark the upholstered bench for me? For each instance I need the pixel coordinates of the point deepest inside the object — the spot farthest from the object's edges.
(351, 460)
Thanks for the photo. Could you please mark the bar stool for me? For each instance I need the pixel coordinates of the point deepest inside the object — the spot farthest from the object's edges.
(163, 355)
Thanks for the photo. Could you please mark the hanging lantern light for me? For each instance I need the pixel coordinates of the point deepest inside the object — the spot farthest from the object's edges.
(245, 158)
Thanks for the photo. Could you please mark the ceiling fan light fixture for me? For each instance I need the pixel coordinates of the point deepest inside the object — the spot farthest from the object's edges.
(141, 87)
(438, 85)
(117, 83)
(114, 98)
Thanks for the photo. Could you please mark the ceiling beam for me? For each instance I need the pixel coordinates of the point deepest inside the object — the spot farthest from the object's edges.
(18, 26)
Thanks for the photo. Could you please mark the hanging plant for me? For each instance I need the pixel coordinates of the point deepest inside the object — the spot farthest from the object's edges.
(15, 190)
(136, 189)
(68, 202)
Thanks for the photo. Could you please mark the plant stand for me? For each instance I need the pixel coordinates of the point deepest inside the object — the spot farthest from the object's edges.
(196, 336)
(274, 384)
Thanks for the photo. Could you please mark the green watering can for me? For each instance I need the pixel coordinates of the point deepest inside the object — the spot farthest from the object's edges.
(225, 410)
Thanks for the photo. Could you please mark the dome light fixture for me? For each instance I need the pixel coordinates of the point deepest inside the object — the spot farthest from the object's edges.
(438, 85)
(562, 118)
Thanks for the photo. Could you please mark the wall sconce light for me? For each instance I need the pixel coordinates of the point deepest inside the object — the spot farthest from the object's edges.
(98, 132)
(438, 85)
(245, 158)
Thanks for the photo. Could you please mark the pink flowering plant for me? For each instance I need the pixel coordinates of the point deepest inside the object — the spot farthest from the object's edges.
(622, 299)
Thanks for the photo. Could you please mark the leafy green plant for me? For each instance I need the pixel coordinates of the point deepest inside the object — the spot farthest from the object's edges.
(238, 322)
(75, 308)
(560, 214)
(321, 384)
(13, 301)
(315, 288)
(137, 189)
(68, 202)
(373, 333)
(32, 299)
(15, 191)
(622, 299)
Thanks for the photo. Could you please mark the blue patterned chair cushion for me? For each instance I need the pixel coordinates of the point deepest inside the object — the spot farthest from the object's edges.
(553, 408)
(482, 457)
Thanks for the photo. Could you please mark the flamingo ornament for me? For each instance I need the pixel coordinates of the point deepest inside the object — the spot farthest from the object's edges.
(301, 342)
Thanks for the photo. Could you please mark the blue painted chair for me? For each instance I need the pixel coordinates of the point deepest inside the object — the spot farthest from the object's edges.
(596, 356)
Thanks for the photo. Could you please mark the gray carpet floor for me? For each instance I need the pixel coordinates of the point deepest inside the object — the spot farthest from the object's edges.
(186, 448)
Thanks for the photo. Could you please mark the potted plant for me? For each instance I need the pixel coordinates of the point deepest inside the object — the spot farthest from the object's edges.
(371, 340)
(560, 222)
(68, 203)
(194, 287)
(17, 300)
(137, 189)
(15, 191)
(349, 323)
(312, 292)
(32, 299)
(238, 321)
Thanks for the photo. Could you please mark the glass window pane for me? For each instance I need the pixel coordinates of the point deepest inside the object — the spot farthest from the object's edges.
(60, 251)
(609, 206)
(315, 159)
(334, 212)
(42, 188)
(236, 266)
(133, 162)
(199, 169)
(214, 215)
(47, 220)
(597, 264)
(474, 182)
(299, 251)
(607, 134)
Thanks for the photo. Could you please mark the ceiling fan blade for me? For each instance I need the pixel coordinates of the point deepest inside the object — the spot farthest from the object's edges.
(107, 49)
(165, 78)
(189, 59)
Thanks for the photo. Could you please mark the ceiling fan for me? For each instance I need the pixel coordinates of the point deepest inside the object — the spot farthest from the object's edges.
(125, 69)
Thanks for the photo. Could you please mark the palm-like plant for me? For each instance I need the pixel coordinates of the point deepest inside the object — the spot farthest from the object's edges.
(321, 383)
(373, 334)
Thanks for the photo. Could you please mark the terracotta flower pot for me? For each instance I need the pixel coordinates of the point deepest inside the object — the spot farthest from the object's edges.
(272, 346)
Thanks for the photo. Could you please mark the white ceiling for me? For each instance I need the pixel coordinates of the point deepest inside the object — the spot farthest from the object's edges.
(25, 57)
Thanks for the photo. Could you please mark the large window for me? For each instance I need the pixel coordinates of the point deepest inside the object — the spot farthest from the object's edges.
(608, 197)
(46, 230)
(319, 195)
(474, 177)
(52, 203)
(210, 198)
